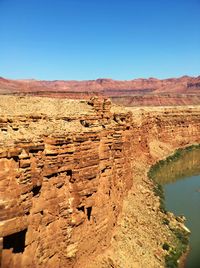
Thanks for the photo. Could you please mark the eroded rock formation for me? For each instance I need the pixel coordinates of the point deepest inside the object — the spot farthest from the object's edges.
(142, 231)
(66, 169)
(61, 193)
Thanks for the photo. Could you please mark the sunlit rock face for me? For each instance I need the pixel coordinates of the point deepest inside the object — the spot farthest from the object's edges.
(61, 192)
(67, 166)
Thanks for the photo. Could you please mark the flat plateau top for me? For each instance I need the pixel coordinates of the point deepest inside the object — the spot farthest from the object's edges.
(28, 118)
(16, 105)
(53, 107)
(31, 117)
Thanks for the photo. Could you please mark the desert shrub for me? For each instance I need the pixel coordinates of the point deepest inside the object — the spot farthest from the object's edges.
(182, 240)
(182, 236)
(171, 260)
(165, 221)
(165, 246)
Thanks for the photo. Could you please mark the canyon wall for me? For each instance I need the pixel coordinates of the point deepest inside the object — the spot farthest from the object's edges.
(167, 99)
(165, 129)
(67, 170)
(61, 193)
(143, 228)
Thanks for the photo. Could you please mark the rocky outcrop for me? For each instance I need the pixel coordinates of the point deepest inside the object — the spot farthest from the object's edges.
(61, 193)
(73, 181)
(175, 91)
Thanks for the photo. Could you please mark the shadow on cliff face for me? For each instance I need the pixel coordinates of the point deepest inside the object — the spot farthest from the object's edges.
(15, 241)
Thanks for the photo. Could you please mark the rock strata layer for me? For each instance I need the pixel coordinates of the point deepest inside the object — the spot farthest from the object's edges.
(73, 187)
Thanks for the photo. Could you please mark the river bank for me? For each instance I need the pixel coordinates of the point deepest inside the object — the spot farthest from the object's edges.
(180, 184)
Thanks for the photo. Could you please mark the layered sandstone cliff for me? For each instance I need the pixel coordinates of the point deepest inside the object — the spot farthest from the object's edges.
(63, 180)
(73, 188)
(142, 231)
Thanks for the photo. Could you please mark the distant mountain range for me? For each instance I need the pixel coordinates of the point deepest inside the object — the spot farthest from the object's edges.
(151, 91)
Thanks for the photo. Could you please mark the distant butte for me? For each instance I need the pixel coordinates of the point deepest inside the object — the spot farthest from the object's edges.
(172, 91)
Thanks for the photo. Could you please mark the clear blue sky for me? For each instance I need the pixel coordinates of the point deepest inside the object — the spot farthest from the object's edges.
(89, 39)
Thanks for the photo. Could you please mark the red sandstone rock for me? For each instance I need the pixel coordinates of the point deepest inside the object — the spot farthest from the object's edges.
(62, 189)
(55, 190)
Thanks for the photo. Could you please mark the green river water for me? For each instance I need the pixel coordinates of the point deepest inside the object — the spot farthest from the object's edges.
(180, 178)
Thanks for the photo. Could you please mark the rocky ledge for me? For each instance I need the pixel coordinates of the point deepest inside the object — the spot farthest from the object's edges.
(74, 187)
